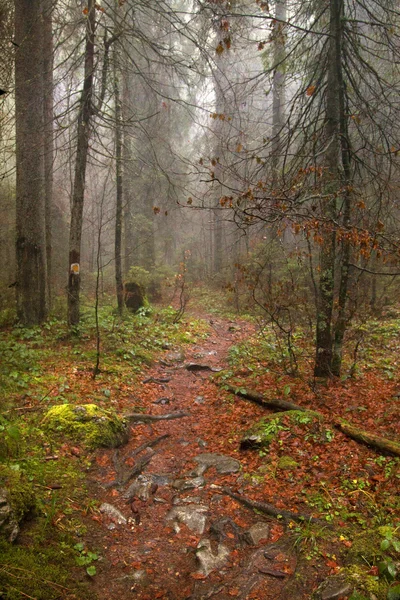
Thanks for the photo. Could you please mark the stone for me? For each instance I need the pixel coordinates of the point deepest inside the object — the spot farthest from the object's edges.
(199, 400)
(175, 357)
(9, 527)
(113, 513)
(208, 560)
(257, 532)
(224, 465)
(287, 463)
(88, 424)
(17, 499)
(141, 488)
(189, 484)
(334, 588)
(194, 516)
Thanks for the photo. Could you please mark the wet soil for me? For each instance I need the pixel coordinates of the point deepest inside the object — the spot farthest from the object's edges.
(151, 556)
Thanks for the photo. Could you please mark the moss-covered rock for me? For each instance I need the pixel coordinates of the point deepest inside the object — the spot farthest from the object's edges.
(16, 501)
(87, 424)
(366, 584)
(267, 429)
(287, 463)
(365, 547)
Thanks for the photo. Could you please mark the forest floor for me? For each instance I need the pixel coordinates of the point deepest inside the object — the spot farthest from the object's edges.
(155, 518)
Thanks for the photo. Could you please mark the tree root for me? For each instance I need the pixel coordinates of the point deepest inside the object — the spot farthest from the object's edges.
(369, 439)
(150, 444)
(143, 418)
(269, 509)
(274, 404)
(362, 437)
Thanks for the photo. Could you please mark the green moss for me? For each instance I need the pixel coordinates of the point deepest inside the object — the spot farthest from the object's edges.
(287, 463)
(366, 547)
(19, 492)
(43, 573)
(366, 584)
(265, 430)
(87, 424)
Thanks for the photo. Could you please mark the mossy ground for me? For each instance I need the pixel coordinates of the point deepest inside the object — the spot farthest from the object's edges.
(45, 466)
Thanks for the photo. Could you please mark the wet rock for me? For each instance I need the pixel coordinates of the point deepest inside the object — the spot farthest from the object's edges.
(175, 357)
(208, 560)
(161, 479)
(88, 424)
(17, 499)
(9, 527)
(194, 516)
(164, 400)
(141, 488)
(113, 513)
(224, 465)
(193, 367)
(226, 530)
(189, 484)
(257, 532)
(333, 588)
(137, 577)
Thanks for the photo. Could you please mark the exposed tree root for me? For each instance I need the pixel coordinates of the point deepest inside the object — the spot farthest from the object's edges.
(142, 418)
(369, 439)
(150, 444)
(363, 437)
(269, 509)
(274, 404)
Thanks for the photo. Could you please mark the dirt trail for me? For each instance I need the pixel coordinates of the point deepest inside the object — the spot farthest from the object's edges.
(185, 539)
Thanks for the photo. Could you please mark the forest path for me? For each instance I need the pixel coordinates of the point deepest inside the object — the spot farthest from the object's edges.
(177, 536)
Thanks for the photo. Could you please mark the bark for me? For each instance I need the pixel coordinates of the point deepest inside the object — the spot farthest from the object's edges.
(219, 79)
(333, 162)
(83, 135)
(119, 180)
(48, 115)
(30, 191)
(274, 404)
(369, 439)
(278, 100)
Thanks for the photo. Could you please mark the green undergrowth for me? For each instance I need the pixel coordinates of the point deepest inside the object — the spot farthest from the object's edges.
(47, 493)
(49, 366)
(32, 357)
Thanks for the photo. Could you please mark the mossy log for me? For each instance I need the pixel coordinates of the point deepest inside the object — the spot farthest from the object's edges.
(362, 437)
(369, 439)
(274, 404)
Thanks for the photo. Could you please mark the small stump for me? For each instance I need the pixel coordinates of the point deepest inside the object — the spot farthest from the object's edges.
(134, 296)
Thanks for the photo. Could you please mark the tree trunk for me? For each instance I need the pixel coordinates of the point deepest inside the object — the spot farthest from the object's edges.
(30, 192)
(119, 179)
(278, 101)
(83, 135)
(334, 167)
(48, 115)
